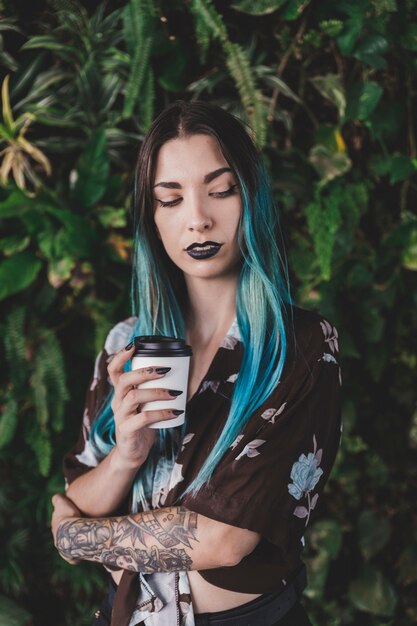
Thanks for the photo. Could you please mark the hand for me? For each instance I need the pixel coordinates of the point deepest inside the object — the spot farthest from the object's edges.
(64, 509)
(134, 438)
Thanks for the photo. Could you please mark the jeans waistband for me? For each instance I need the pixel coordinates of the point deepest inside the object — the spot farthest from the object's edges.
(263, 611)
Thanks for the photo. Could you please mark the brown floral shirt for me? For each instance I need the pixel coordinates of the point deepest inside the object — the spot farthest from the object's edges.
(271, 478)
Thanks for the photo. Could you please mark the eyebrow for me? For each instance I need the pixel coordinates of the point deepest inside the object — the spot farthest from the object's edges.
(207, 179)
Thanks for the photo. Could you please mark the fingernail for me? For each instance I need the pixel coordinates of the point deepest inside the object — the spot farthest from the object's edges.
(176, 411)
(174, 392)
(162, 370)
(129, 346)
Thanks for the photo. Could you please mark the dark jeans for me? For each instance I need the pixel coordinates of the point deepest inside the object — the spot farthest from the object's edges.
(296, 616)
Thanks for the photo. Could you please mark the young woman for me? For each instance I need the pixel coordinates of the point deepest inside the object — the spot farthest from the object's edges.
(204, 523)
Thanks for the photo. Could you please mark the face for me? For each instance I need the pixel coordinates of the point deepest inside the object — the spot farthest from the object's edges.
(197, 200)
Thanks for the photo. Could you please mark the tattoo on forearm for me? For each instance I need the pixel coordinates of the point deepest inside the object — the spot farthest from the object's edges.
(149, 561)
(113, 541)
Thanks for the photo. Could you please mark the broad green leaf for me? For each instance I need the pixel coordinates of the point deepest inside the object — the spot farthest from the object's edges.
(353, 27)
(328, 164)
(407, 565)
(387, 121)
(376, 470)
(326, 539)
(371, 51)
(11, 614)
(409, 39)
(92, 171)
(326, 536)
(359, 276)
(293, 9)
(14, 243)
(110, 217)
(77, 238)
(60, 271)
(373, 593)
(402, 167)
(257, 7)
(317, 571)
(14, 205)
(18, 272)
(362, 99)
(409, 253)
(374, 533)
(330, 86)
(355, 444)
(380, 164)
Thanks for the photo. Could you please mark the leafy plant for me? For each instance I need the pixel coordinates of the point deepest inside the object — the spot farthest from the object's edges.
(329, 92)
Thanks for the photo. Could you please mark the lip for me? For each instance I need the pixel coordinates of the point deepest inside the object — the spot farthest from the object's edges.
(200, 255)
(197, 244)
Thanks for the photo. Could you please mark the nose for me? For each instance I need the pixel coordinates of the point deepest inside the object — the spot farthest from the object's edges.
(198, 219)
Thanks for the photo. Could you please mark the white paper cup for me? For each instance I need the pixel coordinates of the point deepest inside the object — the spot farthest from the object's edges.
(160, 351)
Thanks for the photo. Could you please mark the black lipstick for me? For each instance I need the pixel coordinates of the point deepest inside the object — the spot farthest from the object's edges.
(203, 251)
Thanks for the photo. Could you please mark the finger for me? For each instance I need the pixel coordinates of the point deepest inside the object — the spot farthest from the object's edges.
(115, 367)
(143, 419)
(127, 380)
(137, 397)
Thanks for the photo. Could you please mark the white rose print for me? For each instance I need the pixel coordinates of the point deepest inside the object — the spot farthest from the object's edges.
(305, 474)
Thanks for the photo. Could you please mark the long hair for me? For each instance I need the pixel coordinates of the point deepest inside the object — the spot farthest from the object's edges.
(159, 296)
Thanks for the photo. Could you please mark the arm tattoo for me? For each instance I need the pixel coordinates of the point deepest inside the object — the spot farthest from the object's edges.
(113, 540)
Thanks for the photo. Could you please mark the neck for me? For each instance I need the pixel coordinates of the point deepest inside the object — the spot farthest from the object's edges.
(212, 308)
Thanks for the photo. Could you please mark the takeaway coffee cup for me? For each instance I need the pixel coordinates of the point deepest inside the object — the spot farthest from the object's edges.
(161, 351)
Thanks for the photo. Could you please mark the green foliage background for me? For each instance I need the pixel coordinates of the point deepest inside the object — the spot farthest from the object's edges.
(329, 89)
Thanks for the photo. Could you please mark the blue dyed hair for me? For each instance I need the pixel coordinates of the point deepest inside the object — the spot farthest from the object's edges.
(159, 296)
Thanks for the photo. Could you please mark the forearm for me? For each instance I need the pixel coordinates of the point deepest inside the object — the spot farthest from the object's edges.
(102, 489)
(163, 540)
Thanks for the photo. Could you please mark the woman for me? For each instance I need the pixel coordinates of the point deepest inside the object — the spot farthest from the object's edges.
(218, 508)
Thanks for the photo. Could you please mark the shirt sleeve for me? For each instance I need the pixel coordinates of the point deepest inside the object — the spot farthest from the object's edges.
(271, 478)
(81, 457)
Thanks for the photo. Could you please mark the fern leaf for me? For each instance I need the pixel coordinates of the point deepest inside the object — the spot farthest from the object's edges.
(206, 13)
(8, 420)
(354, 204)
(43, 453)
(15, 345)
(55, 379)
(323, 218)
(40, 442)
(203, 36)
(239, 67)
(147, 101)
(137, 73)
(39, 393)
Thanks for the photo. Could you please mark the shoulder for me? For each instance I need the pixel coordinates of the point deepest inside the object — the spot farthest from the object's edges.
(120, 335)
(312, 337)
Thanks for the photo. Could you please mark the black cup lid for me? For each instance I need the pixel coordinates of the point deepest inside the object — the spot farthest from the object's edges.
(161, 345)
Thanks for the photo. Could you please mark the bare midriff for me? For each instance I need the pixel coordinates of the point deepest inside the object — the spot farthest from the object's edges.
(208, 598)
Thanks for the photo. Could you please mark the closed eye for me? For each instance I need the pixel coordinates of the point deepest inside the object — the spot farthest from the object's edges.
(215, 194)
